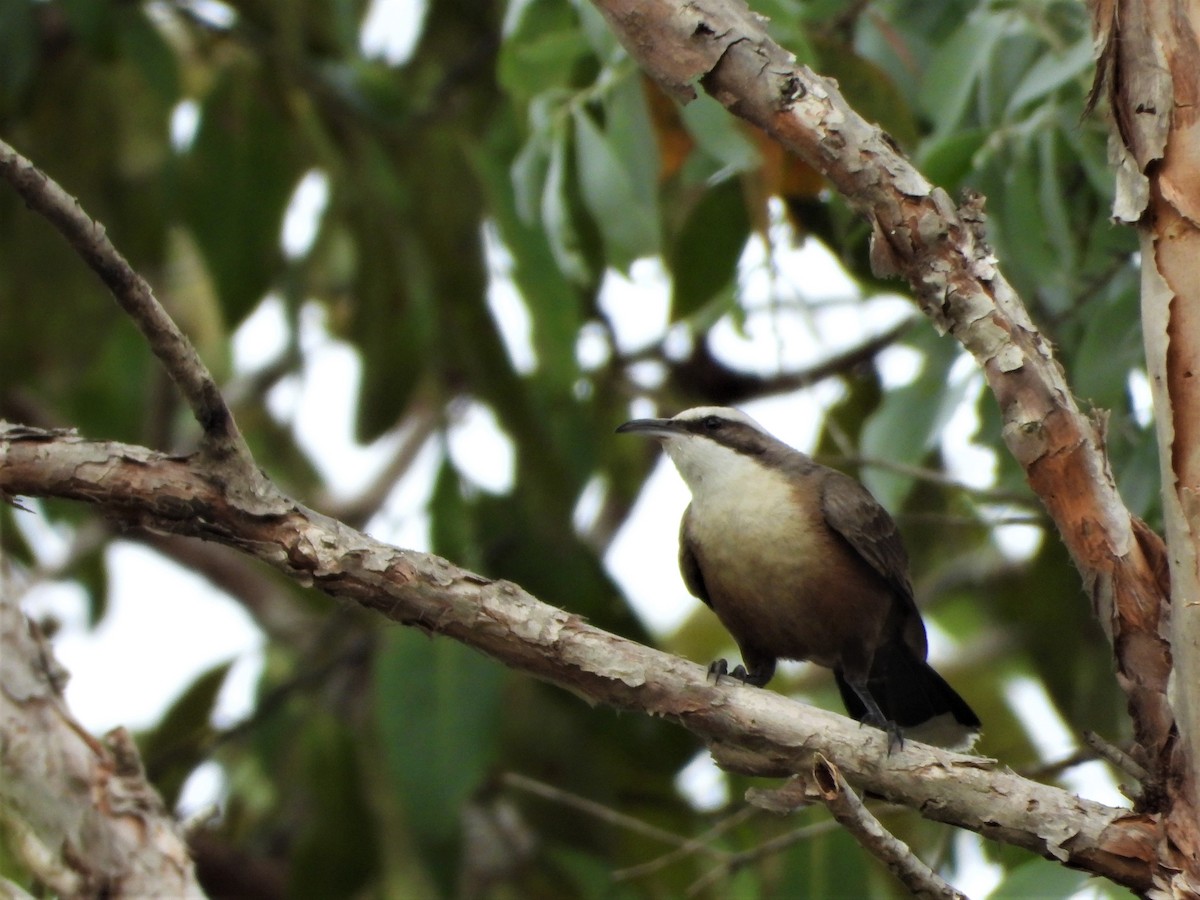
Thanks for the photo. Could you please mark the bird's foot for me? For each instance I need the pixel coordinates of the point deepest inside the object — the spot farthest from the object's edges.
(891, 729)
(718, 668)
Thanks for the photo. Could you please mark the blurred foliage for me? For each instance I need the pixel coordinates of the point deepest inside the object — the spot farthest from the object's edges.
(375, 763)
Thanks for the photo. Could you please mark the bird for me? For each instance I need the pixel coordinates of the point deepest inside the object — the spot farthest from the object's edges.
(799, 561)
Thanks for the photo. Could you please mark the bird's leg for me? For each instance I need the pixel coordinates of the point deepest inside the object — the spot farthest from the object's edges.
(875, 717)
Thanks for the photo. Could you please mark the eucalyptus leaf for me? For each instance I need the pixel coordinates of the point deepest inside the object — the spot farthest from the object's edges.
(625, 215)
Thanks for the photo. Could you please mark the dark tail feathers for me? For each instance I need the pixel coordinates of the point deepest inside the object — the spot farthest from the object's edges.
(909, 692)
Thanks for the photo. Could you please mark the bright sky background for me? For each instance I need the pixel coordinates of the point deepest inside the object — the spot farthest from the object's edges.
(166, 625)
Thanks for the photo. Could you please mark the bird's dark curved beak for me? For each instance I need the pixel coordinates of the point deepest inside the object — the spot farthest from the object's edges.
(649, 427)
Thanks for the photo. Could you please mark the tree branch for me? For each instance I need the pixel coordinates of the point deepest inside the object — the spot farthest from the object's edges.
(748, 730)
(222, 440)
(1147, 62)
(845, 806)
(919, 234)
(86, 821)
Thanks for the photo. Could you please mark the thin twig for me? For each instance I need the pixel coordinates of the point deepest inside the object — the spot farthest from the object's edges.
(594, 809)
(849, 810)
(700, 843)
(778, 844)
(1115, 755)
(134, 295)
(921, 473)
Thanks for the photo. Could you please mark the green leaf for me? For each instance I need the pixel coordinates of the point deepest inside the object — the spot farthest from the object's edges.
(528, 173)
(630, 133)
(1108, 348)
(554, 303)
(952, 77)
(948, 159)
(625, 212)
(559, 212)
(180, 740)
(439, 709)
(1056, 220)
(236, 181)
(336, 851)
(1039, 878)
(544, 52)
(1140, 478)
(705, 256)
(1013, 55)
(19, 49)
(1050, 72)
(719, 135)
(143, 44)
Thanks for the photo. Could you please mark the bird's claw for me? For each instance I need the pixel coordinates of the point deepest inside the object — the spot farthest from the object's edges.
(720, 667)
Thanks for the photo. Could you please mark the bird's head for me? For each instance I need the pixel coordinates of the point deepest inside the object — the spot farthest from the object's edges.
(706, 442)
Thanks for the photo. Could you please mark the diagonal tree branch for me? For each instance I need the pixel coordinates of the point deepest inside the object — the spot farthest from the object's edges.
(848, 808)
(920, 235)
(222, 440)
(748, 730)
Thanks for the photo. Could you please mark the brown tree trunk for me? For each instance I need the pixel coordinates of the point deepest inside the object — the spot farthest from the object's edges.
(1149, 69)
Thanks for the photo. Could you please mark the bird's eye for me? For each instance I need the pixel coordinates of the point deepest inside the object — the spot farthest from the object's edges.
(712, 423)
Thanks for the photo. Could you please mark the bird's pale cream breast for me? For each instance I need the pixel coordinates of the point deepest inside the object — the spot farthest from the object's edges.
(747, 518)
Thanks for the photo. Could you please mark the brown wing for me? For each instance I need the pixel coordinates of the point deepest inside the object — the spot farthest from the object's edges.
(689, 566)
(853, 513)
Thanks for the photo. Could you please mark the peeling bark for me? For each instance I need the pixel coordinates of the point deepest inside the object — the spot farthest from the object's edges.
(1149, 70)
(80, 812)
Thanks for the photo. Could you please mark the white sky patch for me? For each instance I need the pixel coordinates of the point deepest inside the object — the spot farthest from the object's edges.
(325, 406)
(185, 121)
(592, 349)
(898, 365)
(480, 448)
(50, 543)
(403, 519)
(966, 461)
(1141, 397)
(637, 307)
(974, 875)
(164, 626)
(302, 218)
(207, 786)
(678, 342)
(786, 326)
(810, 263)
(506, 304)
(589, 504)
(642, 556)
(1017, 542)
(262, 337)
(215, 13)
(648, 374)
(702, 784)
(391, 29)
